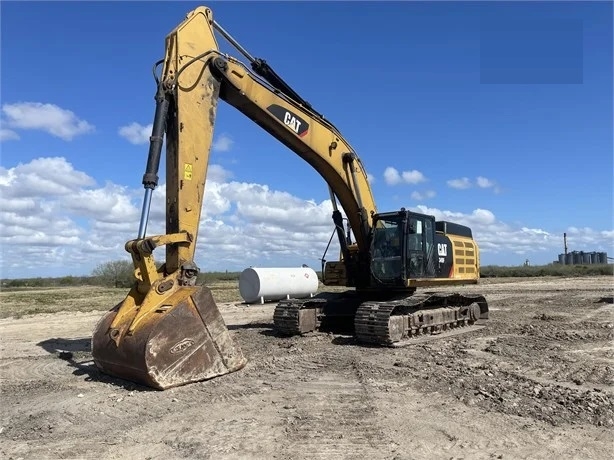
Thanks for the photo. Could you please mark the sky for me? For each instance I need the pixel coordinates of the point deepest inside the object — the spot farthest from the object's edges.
(497, 115)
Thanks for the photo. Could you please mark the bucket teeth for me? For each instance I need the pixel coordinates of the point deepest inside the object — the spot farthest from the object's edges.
(185, 342)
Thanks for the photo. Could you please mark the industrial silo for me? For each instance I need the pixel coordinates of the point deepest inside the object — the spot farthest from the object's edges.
(594, 257)
(569, 258)
(562, 259)
(603, 257)
(577, 257)
(586, 258)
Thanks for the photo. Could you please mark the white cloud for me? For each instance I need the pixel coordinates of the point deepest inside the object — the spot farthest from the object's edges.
(497, 237)
(371, 178)
(246, 224)
(8, 135)
(223, 143)
(217, 173)
(113, 199)
(258, 203)
(42, 177)
(580, 239)
(480, 217)
(462, 183)
(393, 177)
(57, 220)
(483, 182)
(136, 133)
(413, 176)
(49, 118)
(422, 196)
(79, 224)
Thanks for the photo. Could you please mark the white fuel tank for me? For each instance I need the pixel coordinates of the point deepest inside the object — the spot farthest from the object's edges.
(265, 284)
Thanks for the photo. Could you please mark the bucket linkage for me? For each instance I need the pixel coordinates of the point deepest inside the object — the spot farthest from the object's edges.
(168, 331)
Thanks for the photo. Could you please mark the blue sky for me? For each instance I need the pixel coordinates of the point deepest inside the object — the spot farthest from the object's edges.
(518, 94)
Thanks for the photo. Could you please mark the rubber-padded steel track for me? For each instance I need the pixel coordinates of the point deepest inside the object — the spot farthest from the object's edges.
(388, 323)
(391, 323)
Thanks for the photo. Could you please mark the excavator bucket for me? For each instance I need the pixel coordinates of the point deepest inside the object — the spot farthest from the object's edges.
(183, 339)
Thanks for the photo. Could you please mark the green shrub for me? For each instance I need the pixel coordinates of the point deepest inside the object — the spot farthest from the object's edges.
(494, 271)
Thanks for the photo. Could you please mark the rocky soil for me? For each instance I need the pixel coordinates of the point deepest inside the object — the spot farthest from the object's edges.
(536, 382)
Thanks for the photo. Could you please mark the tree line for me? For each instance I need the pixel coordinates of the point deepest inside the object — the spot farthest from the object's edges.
(120, 274)
(115, 273)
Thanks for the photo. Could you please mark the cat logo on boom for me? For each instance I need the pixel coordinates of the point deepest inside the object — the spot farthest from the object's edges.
(291, 120)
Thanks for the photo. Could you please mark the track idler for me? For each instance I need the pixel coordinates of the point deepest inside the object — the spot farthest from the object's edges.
(181, 339)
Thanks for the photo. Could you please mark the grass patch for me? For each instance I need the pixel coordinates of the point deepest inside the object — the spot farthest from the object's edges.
(225, 290)
(17, 302)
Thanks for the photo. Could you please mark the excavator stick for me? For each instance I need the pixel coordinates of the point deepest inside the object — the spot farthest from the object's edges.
(182, 340)
(168, 331)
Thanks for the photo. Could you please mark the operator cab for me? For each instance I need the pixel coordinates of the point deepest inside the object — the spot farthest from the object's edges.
(405, 245)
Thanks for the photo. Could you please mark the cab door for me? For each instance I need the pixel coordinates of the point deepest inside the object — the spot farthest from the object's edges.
(419, 244)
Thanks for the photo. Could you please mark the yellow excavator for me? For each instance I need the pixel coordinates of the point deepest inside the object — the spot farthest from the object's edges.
(168, 330)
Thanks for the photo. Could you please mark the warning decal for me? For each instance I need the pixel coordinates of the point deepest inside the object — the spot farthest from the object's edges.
(187, 171)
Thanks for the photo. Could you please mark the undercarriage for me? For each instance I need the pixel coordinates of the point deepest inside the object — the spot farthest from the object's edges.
(393, 323)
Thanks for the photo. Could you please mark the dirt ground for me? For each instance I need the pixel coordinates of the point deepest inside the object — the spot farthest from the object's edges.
(536, 382)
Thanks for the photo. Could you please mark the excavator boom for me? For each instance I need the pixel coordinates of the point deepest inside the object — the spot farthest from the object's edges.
(168, 330)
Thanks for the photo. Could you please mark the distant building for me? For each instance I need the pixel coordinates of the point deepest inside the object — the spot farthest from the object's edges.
(583, 258)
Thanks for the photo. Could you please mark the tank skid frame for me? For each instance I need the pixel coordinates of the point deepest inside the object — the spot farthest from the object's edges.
(393, 323)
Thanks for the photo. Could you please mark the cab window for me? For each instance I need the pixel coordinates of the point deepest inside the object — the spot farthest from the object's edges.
(386, 250)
